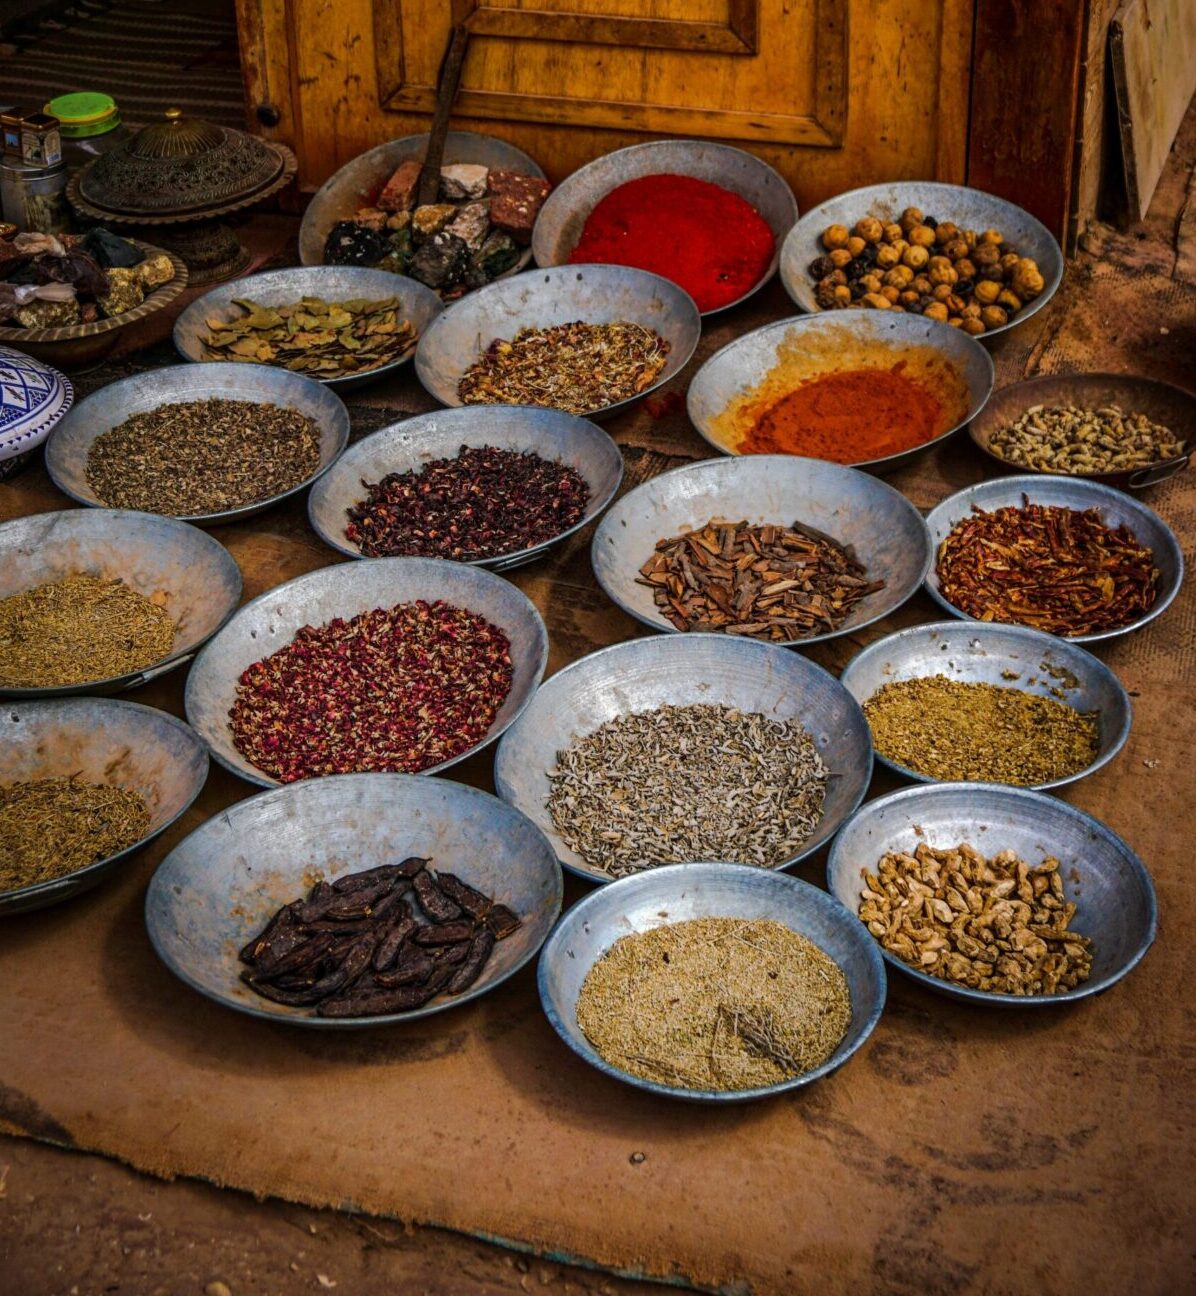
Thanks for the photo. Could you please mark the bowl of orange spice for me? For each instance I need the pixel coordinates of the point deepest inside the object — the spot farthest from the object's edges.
(872, 390)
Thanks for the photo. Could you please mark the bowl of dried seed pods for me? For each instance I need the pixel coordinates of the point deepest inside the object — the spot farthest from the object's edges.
(1070, 557)
(959, 701)
(686, 747)
(995, 895)
(1113, 428)
(747, 983)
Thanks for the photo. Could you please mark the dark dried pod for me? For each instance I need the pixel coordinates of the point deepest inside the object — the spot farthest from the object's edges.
(433, 900)
(472, 901)
(408, 971)
(502, 922)
(479, 951)
(444, 933)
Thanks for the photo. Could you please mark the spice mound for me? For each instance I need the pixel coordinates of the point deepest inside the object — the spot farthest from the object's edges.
(1066, 439)
(1057, 569)
(952, 730)
(575, 367)
(79, 630)
(357, 947)
(764, 582)
(715, 1004)
(684, 783)
(205, 456)
(391, 690)
(708, 240)
(312, 336)
(481, 504)
(55, 826)
(988, 924)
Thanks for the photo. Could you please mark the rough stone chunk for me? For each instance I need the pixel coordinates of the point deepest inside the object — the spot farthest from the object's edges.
(471, 223)
(496, 255)
(371, 218)
(48, 314)
(399, 252)
(463, 180)
(154, 271)
(398, 193)
(431, 219)
(441, 262)
(515, 201)
(124, 292)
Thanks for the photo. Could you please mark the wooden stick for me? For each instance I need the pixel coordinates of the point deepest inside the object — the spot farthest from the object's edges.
(446, 93)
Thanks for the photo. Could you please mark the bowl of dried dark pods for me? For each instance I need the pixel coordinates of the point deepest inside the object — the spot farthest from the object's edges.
(361, 900)
(996, 895)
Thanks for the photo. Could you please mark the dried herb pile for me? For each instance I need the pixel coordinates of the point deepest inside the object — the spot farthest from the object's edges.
(77, 630)
(205, 456)
(55, 826)
(765, 582)
(715, 1004)
(356, 947)
(684, 783)
(314, 337)
(480, 504)
(1066, 439)
(575, 367)
(953, 730)
(393, 690)
(1057, 569)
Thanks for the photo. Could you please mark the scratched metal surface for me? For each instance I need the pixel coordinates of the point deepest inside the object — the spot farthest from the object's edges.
(684, 670)
(100, 740)
(194, 575)
(409, 445)
(221, 884)
(1113, 893)
(681, 893)
(876, 522)
(345, 590)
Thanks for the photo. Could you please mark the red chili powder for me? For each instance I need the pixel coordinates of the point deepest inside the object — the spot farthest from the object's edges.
(848, 417)
(711, 242)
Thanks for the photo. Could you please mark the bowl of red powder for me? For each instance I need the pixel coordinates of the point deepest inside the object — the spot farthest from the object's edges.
(868, 389)
(707, 216)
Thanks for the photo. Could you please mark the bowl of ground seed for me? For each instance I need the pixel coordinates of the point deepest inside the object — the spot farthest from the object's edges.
(747, 983)
(205, 443)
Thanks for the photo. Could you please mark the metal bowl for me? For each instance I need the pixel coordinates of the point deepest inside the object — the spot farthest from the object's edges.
(968, 208)
(568, 207)
(1112, 890)
(684, 671)
(100, 740)
(409, 445)
(738, 369)
(271, 621)
(1115, 508)
(218, 887)
(358, 183)
(153, 555)
(1159, 401)
(70, 443)
(417, 303)
(868, 516)
(597, 294)
(681, 893)
(1006, 656)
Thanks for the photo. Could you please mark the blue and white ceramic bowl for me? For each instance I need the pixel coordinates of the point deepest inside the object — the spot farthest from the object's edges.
(33, 397)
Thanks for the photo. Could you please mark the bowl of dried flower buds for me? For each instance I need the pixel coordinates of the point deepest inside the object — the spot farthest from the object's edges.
(996, 895)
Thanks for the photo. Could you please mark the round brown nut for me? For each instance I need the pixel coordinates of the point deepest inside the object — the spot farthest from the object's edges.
(855, 245)
(892, 232)
(956, 249)
(886, 257)
(965, 268)
(834, 236)
(922, 236)
(936, 311)
(1009, 261)
(984, 254)
(941, 292)
(1011, 301)
(890, 294)
(900, 276)
(915, 256)
(992, 237)
(871, 283)
(943, 275)
(973, 326)
(869, 229)
(986, 292)
(840, 258)
(842, 295)
(908, 298)
(910, 217)
(922, 285)
(875, 301)
(945, 232)
(993, 317)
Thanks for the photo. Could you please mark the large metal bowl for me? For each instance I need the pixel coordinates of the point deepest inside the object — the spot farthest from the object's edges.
(685, 670)
(271, 621)
(70, 443)
(681, 893)
(417, 303)
(1159, 401)
(409, 445)
(568, 207)
(218, 887)
(1112, 890)
(197, 576)
(100, 740)
(968, 208)
(1005, 656)
(739, 368)
(358, 183)
(878, 523)
(1115, 509)
(595, 294)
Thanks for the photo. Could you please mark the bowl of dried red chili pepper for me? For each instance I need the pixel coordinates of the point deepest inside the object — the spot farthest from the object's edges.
(403, 665)
(1070, 557)
(497, 488)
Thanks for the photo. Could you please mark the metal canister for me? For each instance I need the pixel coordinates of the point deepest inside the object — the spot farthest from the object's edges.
(41, 141)
(34, 198)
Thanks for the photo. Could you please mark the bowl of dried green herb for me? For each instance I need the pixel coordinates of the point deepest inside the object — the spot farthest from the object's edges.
(84, 782)
(101, 600)
(747, 983)
(689, 747)
(959, 701)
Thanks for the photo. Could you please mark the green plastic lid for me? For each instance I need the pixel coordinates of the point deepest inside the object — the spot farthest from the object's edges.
(84, 114)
